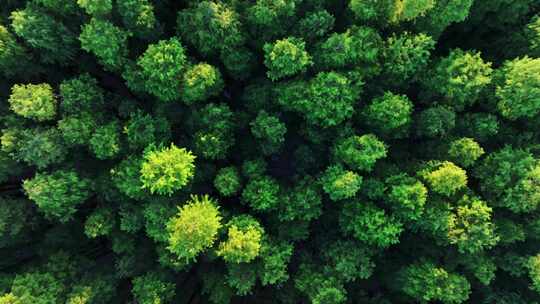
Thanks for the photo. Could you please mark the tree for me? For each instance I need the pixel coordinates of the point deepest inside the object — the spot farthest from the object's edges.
(407, 196)
(34, 101)
(360, 152)
(435, 122)
(533, 266)
(138, 16)
(370, 224)
(286, 57)
(444, 177)
(339, 183)
(261, 193)
(244, 237)
(96, 7)
(518, 88)
(194, 228)
(459, 78)
(389, 114)
(165, 170)
(153, 288)
(465, 151)
(269, 130)
(106, 41)
(81, 93)
(200, 82)
(58, 194)
(56, 43)
(471, 230)
(14, 57)
(426, 282)
(227, 181)
(100, 222)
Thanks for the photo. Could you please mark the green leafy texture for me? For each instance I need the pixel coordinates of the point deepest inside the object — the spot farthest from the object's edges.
(81, 93)
(406, 55)
(508, 177)
(262, 193)
(242, 278)
(303, 201)
(533, 266)
(471, 229)
(244, 238)
(275, 258)
(407, 196)
(407, 10)
(532, 32)
(329, 100)
(156, 216)
(38, 288)
(425, 282)
(200, 82)
(518, 88)
(138, 16)
(270, 132)
(370, 224)
(14, 57)
(57, 194)
(444, 177)
(286, 57)
(105, 142)
(357, 46)
(227, 181)
(340, 183)
(459, 79)
(482, 267)
(143, 129)
(268, 20)
(465, 151)
(369, 10)
(126, 177)
(210, 27)
(480, 126)
(315, 25)
(435, 122)
(77, 129)
(33, 101)
(162, 66)
(100, 222)
(194, 228)
(62, 7)
(166, 170)
(445, 13)
(320, 289)
(106, 41)
(153, 288)
(348, 260)
(239, 62)
(96, 7)
(360, 152)
(389, 114)
(39, 146)
(55, 42)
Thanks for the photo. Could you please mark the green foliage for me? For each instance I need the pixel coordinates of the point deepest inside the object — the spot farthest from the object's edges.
(55, 42)
(105, 142)
(162, 66)
(339, 183)
(269, 130)
(200, 82)
(152, 288)
(426, 282)
(77, 129)
(389, 113)
(40, 147)
(360, 152)
(166, 170)
(138, 16)
(80, 94)
(13, 55)
(315, 24)
(436, 121)
(143, 129)
(465, 151)
(126, 177)
(99, 223)
(286, 57)
(57, 194)
(106, 41)
(471, 230)
(227, 181)
(194, 228)
(303, 202)
(518, 88)
(37, 287)
(34, 101)
(370, 224)
(244, 237)
(261, 193)
(407, 196)
(96, 7)
(275, 258)
(444, 177)
(533, 266)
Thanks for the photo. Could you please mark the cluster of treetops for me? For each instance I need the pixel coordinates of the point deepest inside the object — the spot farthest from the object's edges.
(270, 151)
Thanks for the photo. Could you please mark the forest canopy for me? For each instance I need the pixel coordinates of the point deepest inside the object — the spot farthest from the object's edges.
(270, 151)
